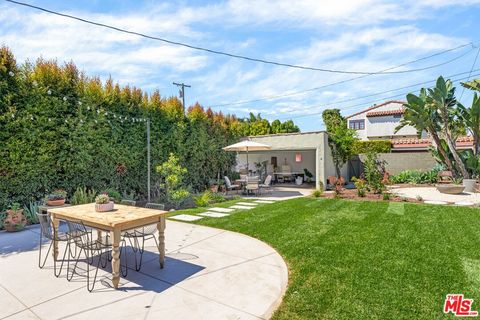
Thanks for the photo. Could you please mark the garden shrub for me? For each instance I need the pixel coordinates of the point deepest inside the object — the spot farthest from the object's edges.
(207, 198)
(361, 186)
(113, 194)
(317, 193)
(173, 176)
(417, 176)
(83, 196)
(377, 146)
(58, 131)
(374, 173)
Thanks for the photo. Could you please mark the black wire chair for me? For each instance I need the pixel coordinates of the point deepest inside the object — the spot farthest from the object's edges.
(135, 236)
(47, 231)
(128, 202)
(84, 240)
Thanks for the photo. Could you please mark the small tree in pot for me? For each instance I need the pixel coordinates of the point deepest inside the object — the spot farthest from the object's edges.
(15, 220)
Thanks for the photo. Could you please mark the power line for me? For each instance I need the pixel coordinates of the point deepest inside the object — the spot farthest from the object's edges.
(206, 49)
(352, 79)
(471, 70)
(372, 102)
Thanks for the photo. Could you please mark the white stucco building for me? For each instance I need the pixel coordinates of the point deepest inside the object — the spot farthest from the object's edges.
(380, 121)
(298, 151)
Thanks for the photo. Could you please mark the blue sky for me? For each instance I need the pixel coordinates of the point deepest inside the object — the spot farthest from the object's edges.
(363, 35)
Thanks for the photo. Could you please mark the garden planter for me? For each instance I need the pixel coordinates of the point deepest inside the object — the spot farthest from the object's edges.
(450, 188)
(54, 203)
(469, 185)
(15, 220)
(104, 207)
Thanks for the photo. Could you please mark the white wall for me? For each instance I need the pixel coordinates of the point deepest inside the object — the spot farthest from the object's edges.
(383, 127)
(308, 160)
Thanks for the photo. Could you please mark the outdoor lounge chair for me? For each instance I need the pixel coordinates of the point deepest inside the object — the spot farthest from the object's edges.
(267, 184)
(229, 186)
(142, 234)
(252, 186)
(91, 247)
(46, 231)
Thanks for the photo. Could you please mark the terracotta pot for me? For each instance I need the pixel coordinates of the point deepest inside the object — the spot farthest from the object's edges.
(15, 220)
(104, 207)
(55, 203)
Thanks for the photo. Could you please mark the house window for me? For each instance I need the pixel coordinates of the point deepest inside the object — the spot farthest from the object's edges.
(357, 124)
(397, 116)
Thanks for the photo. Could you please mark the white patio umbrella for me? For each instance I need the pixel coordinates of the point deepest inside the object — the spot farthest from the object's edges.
(247, 145)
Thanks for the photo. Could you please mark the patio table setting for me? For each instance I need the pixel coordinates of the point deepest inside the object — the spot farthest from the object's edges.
(118, 224)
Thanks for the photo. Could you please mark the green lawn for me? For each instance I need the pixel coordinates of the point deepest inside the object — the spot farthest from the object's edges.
(367, 260)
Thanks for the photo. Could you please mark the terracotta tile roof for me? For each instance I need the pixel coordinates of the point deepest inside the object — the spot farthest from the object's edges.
(411, 143)
(377, 106)
(466, 141)
(386, 113)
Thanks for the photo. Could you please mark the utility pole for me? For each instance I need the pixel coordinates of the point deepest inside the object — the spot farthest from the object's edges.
(182, 93)
(148, 160)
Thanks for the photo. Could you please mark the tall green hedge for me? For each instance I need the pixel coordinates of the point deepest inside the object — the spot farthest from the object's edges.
(61, 129)
(377, 146)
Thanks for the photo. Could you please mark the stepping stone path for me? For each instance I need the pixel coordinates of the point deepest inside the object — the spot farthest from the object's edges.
(186, 217)
(213, 214)
(264, 201)
(247, 203)
(222, 210)
(435, 202)
(464, 203)
(241, 207)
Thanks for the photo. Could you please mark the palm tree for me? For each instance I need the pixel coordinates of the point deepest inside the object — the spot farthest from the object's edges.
(442, 98)
(422, 118)
(471, 119)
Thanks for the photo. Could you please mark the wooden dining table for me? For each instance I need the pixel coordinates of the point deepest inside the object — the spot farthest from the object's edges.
(120, 219)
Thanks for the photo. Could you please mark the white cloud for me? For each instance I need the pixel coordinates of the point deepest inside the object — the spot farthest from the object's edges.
(359, 35)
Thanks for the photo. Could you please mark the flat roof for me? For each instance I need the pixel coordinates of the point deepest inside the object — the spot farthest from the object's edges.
(286, 134)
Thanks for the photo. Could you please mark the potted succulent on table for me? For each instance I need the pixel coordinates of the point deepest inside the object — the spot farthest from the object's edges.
(15, 220)
(103, 203)
(56, 198)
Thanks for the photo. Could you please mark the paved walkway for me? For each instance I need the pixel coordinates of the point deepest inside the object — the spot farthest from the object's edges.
(432, 194)
(209, 274)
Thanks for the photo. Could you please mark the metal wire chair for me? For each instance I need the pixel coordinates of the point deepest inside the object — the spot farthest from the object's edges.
(83, 239)
(46, 231)
(143, 233)
(128, 202)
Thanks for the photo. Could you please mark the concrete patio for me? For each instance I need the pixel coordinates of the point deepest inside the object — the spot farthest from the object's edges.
(284, 192)
(209, 273)
(431, 194)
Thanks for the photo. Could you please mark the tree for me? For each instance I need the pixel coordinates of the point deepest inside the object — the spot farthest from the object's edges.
(289, 127)
(340, 138)
(442, 97)
(173, 174)
(419, 115)
(471, 118)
